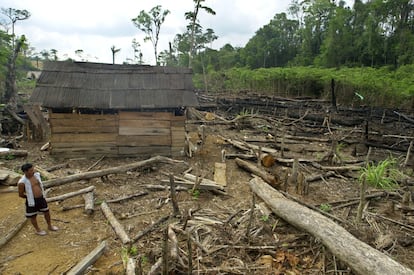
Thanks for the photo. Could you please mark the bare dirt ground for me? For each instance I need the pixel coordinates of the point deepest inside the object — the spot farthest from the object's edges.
(219, 222)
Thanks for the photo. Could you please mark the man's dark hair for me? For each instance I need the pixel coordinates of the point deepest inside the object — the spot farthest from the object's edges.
(26, 167)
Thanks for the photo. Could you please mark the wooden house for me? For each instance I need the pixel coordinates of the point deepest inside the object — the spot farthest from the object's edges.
(99, 109)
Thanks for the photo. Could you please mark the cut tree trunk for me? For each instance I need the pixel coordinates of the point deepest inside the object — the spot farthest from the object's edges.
(89, 205)
(112, 170)
(359, 256)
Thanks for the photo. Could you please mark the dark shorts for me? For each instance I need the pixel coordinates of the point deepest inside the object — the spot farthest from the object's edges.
(39, 207)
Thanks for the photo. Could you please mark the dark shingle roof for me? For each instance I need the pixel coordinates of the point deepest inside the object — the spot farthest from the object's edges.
(108, 86)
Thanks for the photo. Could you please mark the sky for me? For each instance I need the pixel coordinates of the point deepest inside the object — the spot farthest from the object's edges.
(94, 26)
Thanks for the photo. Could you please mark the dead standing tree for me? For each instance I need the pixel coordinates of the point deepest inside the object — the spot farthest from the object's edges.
(10, 95)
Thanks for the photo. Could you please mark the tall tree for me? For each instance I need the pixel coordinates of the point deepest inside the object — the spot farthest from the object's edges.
(150, 23)
(194, 25)
(53, 53)
(137, 51)
(336, 48)
(317, 14)
(5, 52)
(14, 15)
(273, 45)
(114, 50)
(10, 95)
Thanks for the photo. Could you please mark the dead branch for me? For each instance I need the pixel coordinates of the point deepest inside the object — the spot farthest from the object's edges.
(149, 229)
(199, 245)
(391, 220)
(11, 258)
(320, 176)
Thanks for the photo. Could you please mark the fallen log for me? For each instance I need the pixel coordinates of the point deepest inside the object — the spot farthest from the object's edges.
(320, 176)
(8, 189)
(130, 267)
(359, 256)
(246, 146)
(57, 167)
(258, 172)
(45, 174)
(14, 153)
(88, 260)
(112, 170)
(71, 194)
(12, 233)
(118, 228)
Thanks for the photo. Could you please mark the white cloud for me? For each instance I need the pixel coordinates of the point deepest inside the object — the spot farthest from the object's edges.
(96, 25)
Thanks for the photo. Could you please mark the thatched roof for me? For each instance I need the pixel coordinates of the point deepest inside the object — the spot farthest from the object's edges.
(108, 86)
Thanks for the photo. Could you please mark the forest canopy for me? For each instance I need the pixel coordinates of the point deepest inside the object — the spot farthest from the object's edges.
(297, 53)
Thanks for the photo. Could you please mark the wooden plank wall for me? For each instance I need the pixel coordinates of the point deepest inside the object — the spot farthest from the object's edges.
(83, 134)
(177, 135)
(145, 133)
(125, 134)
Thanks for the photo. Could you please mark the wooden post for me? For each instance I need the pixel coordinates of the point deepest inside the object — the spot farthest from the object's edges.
(333, 95)
(407, 158)
(176, 210)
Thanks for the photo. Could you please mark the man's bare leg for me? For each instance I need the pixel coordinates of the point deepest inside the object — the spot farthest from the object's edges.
(49, 222)
(33, 220)
(34, 223)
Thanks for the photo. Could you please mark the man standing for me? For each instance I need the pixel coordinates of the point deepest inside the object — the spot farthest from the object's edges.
(31, 188)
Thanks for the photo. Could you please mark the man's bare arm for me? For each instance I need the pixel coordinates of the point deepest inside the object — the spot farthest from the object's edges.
(22, 193)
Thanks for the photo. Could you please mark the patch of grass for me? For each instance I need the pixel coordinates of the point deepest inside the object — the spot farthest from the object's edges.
(10, 157)
(124, 255)
(325, 207)
(246, 112)
(195, 194)
(144, 260)
(264, 218)
(133, 251)
(384, 175)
